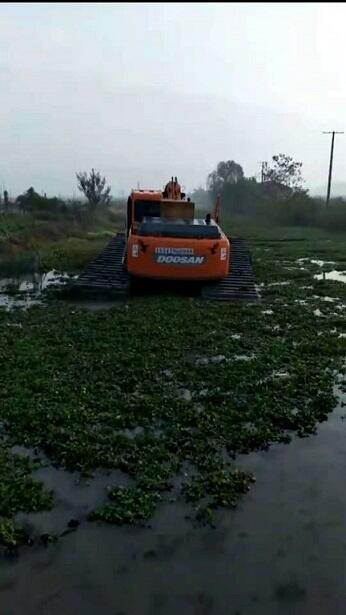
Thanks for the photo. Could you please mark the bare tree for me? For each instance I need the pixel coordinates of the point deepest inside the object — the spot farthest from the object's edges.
(94, 189)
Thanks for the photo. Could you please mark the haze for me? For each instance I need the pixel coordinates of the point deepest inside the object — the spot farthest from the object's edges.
(145, 91)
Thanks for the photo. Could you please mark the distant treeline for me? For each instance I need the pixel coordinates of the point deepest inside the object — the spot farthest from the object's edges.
(45, 208)
(278, 198)
(96, 192)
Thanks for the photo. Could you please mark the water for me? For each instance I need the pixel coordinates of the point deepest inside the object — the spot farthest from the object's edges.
(338, 276)
(74, 499)
(320, 263)
(282, 551)
(185, 394)
(329, 299)
(33, 282)
(97, 305)
(315, 261)
(9, 302)
(220, 358)
(26, 290)
(285, 283)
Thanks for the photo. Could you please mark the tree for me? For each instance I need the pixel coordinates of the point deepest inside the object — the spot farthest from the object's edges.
(228, 172)
(32, 201)
(6, 201)
(94, 189)
(241, 197)
(286, 171)
(202, 198)
(29, 200)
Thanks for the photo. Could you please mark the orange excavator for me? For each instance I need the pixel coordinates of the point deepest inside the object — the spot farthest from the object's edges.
(163, 240)
(166, 241)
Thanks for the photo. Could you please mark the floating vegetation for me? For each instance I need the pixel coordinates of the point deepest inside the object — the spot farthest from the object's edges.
(164, 383)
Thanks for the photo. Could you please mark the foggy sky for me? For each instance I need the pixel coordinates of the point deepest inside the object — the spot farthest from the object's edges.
(145, 91)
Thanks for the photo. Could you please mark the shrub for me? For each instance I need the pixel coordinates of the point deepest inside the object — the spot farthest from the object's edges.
(333, 218)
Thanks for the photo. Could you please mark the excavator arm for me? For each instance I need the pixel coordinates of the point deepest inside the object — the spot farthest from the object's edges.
(216, 215)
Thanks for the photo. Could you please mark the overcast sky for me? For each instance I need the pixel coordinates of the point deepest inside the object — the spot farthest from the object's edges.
(145, 91)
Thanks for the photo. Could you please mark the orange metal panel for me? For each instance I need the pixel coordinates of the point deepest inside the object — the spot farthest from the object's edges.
(178, 258)
(146, 195)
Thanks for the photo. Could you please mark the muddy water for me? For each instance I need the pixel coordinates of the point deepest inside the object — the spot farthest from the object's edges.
(338, 276)
(25, 290)
(97, 305)
(32, 282)
(282, 551)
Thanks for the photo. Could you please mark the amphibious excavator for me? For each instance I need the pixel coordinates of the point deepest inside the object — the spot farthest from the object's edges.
(164, 241)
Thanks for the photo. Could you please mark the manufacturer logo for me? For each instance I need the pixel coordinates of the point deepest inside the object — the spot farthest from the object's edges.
(170, 259)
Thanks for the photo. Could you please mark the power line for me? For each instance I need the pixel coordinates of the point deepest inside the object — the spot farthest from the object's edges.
(333, 133)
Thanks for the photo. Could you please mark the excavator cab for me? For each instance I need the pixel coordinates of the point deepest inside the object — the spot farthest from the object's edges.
(142, 204)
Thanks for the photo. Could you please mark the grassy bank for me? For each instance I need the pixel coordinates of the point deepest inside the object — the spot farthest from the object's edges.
(31, 242)
(258, 228)
(171, 399)
(45, 240)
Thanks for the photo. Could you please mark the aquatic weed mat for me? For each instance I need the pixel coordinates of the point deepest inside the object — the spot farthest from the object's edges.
(168, 391)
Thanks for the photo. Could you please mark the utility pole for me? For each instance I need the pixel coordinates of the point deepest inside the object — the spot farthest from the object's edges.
(263, 171)
(333, 133)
